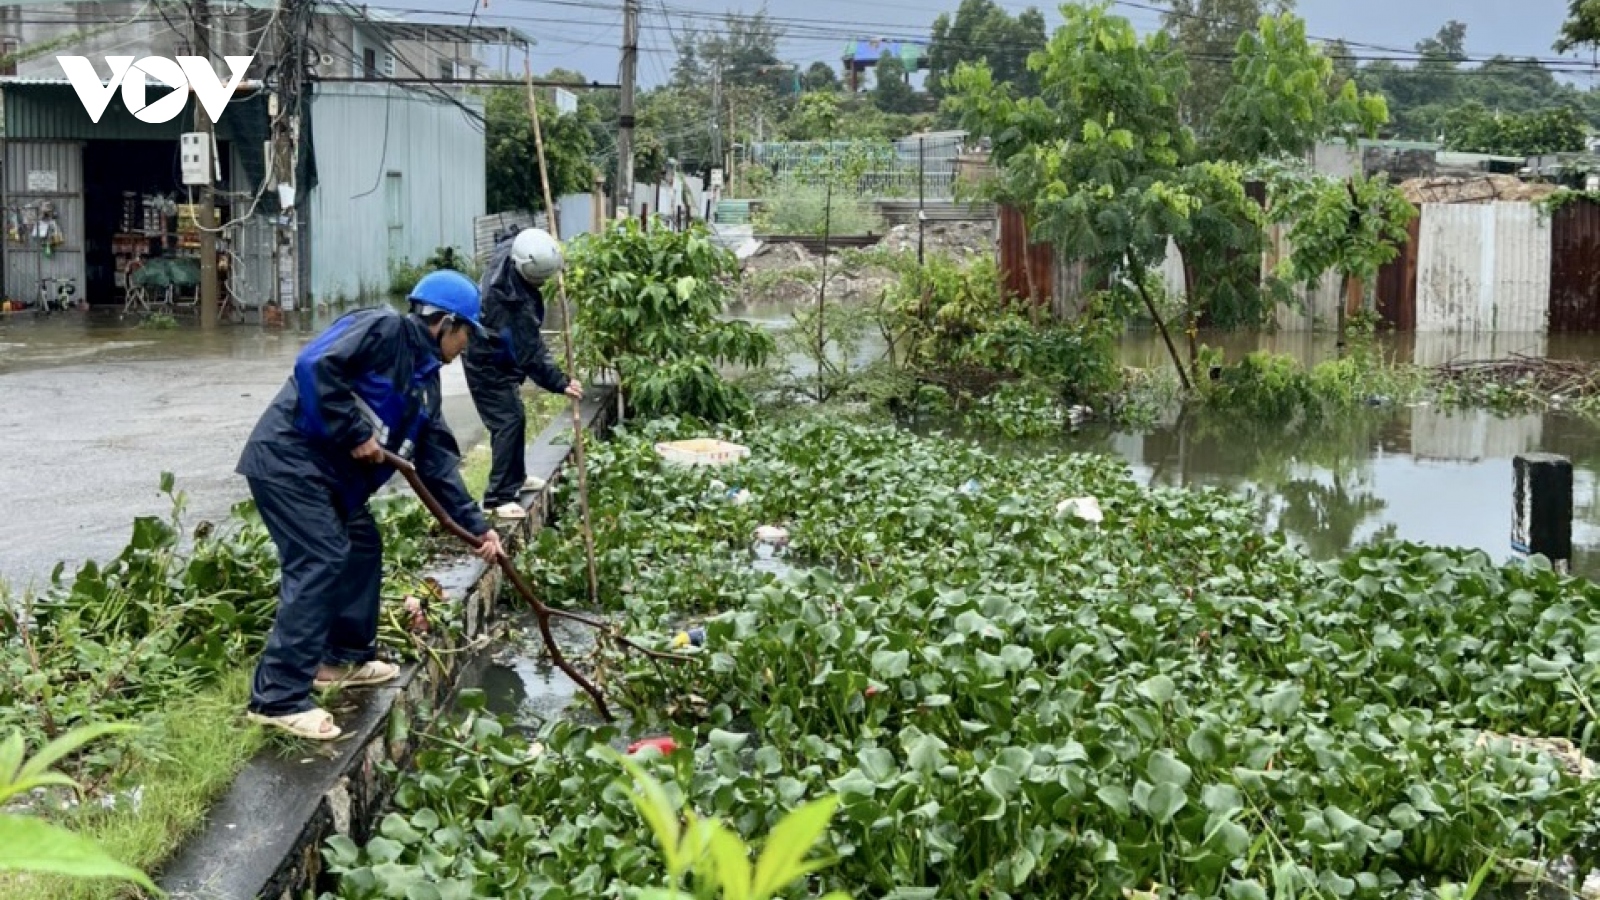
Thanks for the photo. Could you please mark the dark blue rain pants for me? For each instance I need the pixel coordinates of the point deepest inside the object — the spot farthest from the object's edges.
(332, 563)
(499, 405)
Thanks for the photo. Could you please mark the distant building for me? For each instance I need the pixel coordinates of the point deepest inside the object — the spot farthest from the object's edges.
(864, 53)
(391, 166)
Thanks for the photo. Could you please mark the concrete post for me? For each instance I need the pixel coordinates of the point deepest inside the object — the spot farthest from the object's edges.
(1541, 513)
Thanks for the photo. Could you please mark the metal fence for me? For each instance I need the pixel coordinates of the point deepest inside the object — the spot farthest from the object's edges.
(1469, 268)
(885, 169)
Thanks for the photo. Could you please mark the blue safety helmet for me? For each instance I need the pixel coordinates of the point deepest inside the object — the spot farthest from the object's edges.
(452, 292)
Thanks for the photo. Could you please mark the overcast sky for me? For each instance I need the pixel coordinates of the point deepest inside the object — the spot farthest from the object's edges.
(585, 34)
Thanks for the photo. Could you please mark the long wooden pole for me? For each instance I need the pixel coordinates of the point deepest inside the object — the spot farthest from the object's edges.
(566, 334)
(542, 611)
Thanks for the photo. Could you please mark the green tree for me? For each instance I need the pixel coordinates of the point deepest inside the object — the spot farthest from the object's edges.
(891, 88)
(688, 70)
(1353, 227)
(820, 77)
(1582, 27)
(651, 306)
(1095, 160)
(512, 157)
(816, 117)
(1286, 96)
(1103, 166)
(1207, 31)
(982, 30)
(1474, 129)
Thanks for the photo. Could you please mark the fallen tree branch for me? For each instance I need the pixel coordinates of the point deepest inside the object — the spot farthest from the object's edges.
(542, 612)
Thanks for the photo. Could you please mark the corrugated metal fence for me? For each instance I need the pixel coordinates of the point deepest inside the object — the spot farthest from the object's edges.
(44, 215)
(1483, 268)
(1575, 268)
(1468, 268)
(1496, 267)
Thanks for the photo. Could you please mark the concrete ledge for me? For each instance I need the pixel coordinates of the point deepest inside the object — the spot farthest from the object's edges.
(264, 837)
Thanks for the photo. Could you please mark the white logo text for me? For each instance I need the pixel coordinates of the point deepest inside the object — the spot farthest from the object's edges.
(185, 74)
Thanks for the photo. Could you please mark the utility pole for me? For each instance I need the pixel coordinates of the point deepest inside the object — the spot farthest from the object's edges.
(716, 119)
(283, 109)
(200, 24)
(630, 73)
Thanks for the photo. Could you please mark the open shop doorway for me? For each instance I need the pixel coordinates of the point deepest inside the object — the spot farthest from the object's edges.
(137, 211)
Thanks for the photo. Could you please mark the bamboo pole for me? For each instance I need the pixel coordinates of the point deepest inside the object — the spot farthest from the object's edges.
(566, 333)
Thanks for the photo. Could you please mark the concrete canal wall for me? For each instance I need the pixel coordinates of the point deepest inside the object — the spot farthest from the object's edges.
(264, 838)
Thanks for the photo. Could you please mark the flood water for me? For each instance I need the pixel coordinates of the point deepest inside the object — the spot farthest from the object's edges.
(1417, 474)
(93, 409)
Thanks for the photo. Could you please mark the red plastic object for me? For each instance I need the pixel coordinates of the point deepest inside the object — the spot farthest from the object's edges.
(870, 691)
(664, 744)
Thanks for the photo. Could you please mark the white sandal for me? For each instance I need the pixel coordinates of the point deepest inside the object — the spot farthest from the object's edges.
(314, 724)
(510, 511)
(368, 673)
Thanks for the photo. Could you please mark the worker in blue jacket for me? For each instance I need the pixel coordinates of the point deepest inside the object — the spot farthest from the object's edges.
(369, 383)
(513, 313)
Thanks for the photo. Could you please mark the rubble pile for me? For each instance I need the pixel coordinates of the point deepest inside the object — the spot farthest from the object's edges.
(1476, 189)
(786, 272)
(961, 239)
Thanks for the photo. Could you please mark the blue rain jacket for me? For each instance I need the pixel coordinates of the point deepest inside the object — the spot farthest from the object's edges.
(372, 373)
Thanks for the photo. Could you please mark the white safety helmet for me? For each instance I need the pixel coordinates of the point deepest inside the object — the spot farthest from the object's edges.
(536, 254)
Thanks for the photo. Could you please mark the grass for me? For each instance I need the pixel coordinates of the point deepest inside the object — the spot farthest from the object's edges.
(542, 408)
(206, 744)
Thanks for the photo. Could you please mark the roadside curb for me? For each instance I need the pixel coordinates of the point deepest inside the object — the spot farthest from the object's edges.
(263, 838)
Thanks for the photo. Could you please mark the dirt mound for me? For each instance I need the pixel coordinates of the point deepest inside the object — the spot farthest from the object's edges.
(787, 272)
(961, 239)
(1477, 189)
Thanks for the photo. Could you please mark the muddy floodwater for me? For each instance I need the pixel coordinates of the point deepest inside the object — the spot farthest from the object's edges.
(93, 409)
(1414, 473)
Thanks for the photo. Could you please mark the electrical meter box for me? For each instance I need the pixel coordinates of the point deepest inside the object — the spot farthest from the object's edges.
(195, 153)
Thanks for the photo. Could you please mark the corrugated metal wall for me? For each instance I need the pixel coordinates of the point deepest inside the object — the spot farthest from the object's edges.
(1313, 308)
(251, 273)
(1023, 262)
(1575, 267)
(54, 112)
(1467, 268)
(365, 134)
(1172, 274)
(1483, 267)
(37, 172)
(1397, 285)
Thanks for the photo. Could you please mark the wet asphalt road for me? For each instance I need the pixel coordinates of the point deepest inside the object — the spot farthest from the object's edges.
(93, 410)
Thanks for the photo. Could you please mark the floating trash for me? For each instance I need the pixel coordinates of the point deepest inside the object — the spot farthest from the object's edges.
(664, 744)
(1086, 508)
(771, 534)
(702, 452)
(694, 637)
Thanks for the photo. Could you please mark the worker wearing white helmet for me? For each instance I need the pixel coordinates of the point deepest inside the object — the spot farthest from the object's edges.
(513, 313)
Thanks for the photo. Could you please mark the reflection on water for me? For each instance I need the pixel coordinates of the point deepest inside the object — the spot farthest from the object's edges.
(1415, 474)
(103, 334)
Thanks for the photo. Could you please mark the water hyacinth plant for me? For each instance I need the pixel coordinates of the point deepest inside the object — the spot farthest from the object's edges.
(1010, 701)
